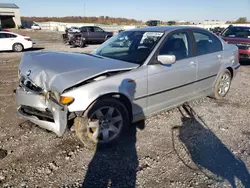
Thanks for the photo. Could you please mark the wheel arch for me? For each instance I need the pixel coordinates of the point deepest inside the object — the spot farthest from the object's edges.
(118, 96)
(16, 44)
(231, 71)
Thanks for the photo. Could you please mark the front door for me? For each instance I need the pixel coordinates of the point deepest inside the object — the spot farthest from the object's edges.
(209, 55)
(5, 41)
(169, 85)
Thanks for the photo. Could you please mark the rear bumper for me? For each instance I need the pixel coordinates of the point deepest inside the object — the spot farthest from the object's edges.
(38, 107)
(28, 45)
(244, 54)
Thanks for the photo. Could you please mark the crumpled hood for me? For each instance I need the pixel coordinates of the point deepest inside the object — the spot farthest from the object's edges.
(55, 71)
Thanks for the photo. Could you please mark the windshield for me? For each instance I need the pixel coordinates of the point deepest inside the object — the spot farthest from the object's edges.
(237, 32)
(130, 46)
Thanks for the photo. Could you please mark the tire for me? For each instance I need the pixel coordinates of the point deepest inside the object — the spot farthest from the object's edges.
(224, 81)
(96, 127)
(83, 43)
(17, 47)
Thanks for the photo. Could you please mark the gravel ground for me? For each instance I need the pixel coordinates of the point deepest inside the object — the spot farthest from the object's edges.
(203, 144)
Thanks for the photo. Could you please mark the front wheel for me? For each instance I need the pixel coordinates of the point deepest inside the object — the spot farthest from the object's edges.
(107, 38)
(103, 123)
(82, 43)
(222, 85)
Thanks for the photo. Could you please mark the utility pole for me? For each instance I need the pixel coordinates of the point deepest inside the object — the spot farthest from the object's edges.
(84, 7)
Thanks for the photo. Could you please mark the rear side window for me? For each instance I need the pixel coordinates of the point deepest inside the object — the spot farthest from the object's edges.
(206, 43)
(11, 36)
(98, 29)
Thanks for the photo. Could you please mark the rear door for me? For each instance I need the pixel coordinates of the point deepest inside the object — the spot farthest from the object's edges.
(209, 51)
(6, 41)
(100, 33)
(91, 34)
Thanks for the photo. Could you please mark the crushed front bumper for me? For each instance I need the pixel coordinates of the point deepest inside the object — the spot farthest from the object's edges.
(42, 110)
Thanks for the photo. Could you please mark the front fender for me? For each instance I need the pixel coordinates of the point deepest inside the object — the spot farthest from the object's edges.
(86, 95)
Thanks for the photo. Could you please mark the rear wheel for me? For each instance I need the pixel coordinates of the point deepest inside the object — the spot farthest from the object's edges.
(222, 85)
(103, 123)
(17, 47)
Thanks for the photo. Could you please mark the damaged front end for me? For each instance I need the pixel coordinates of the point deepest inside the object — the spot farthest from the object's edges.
(41, 107)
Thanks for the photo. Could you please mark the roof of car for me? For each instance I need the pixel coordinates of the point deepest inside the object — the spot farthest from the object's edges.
(162, 28)
(235, 26)
(8, 5)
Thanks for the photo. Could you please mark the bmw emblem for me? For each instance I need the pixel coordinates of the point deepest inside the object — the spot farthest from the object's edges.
(28, 72)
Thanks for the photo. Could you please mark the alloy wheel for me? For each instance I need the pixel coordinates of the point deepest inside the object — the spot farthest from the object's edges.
(224, 84)
(105, 124)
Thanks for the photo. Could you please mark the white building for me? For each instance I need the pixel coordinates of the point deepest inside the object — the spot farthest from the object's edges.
(208, 22)
(9, 15)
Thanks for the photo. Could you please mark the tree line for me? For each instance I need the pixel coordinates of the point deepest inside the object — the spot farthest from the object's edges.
(111, 20)
(241, 20)
(80, 19)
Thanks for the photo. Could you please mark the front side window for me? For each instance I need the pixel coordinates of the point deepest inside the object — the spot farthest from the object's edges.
(130, 46)
(84, 29)
(177, 44)
(7, 35)
(206, 43)
(237, 32)
(3, 36)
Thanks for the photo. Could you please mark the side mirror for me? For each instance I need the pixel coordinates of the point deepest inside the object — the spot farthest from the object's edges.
(166, 59)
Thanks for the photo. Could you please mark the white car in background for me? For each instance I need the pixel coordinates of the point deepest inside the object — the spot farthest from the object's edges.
(15, 42)
(35, 27)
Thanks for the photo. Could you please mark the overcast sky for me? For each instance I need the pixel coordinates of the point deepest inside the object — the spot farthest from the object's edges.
(138, 9)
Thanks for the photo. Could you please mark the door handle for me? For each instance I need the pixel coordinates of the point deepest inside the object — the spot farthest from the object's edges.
(191, 64)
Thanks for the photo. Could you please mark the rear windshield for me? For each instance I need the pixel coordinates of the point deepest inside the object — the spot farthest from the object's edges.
(237, 32)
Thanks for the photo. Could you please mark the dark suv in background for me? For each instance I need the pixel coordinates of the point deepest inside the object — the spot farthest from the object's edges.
(88, 34)
(240, 36)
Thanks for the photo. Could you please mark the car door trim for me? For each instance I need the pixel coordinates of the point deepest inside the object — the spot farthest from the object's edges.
(177, 87)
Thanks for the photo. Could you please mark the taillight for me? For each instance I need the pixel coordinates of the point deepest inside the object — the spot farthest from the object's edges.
(28, 39)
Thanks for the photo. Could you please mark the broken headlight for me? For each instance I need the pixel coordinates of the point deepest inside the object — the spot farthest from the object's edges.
(65, 100)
